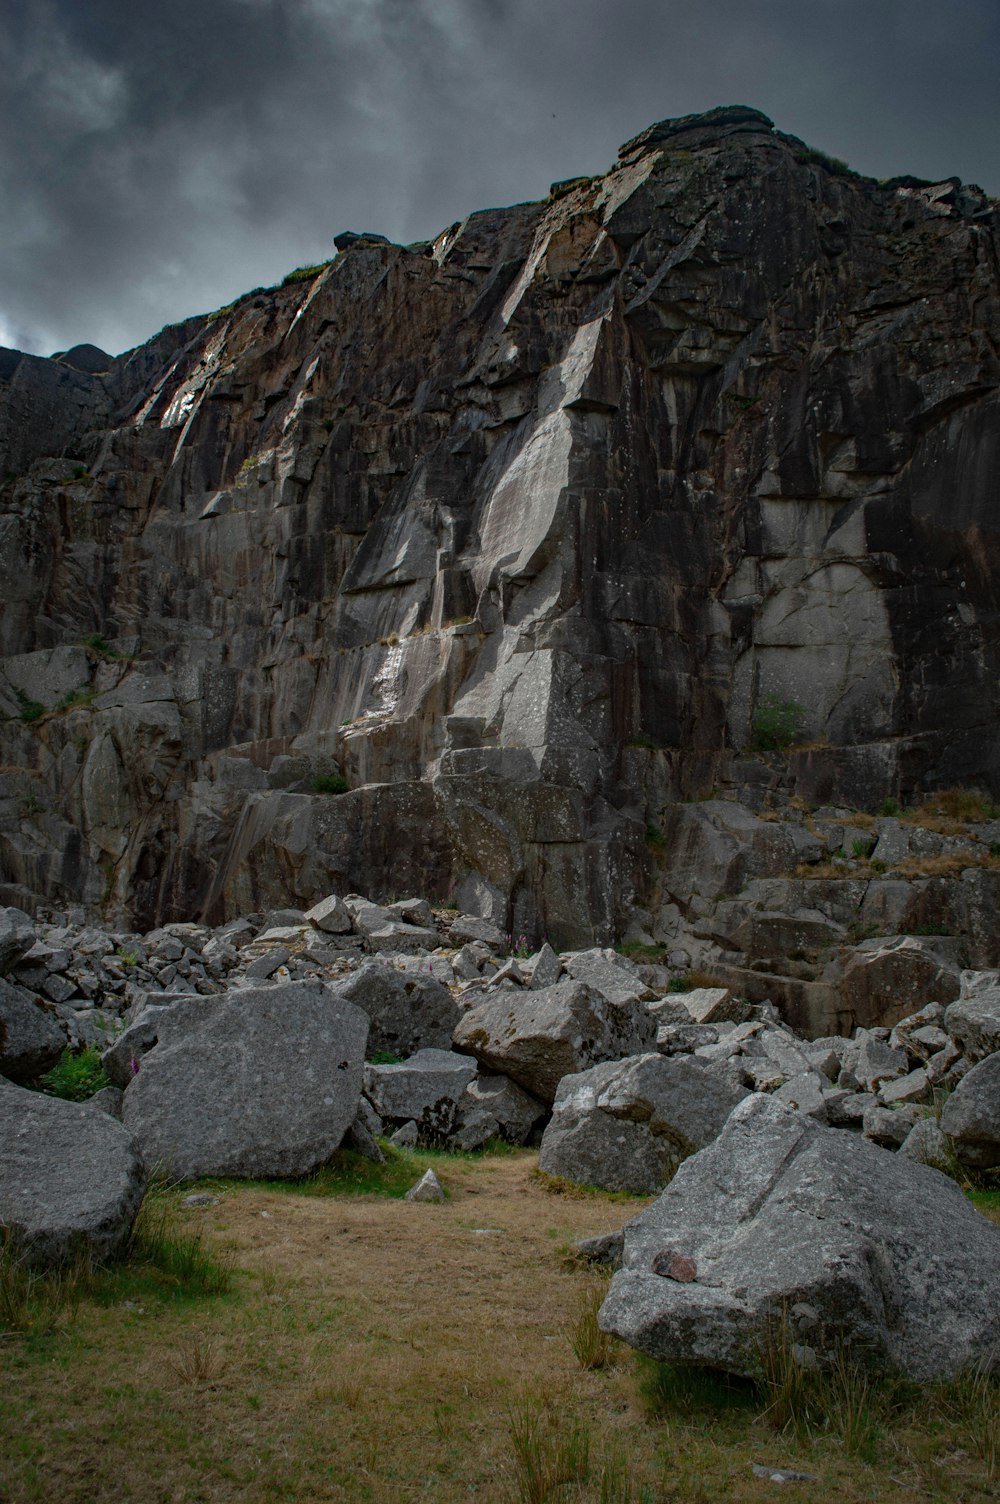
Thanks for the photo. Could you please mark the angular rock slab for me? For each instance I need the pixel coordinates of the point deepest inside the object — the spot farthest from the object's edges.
(536, 1038)
(255, 1082)
(627, 1124)
(777, 1214)
(30, 1039)
(70, 1177)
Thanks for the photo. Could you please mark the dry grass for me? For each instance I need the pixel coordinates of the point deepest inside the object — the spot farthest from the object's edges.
(951, 810)
(377, 1350)
(951, 864)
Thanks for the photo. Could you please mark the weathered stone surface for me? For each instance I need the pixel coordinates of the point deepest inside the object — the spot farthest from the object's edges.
(406, 1012)
(626, 1125)
(331, 915)
(971, 1115)
(70, 1177)
(585, 485)
(780, 1214)
(31, 1040)
(427, 1089)
(536, 1038)
(264, 1081)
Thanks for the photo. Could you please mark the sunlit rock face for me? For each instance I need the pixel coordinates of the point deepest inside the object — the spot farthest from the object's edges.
(515, 531)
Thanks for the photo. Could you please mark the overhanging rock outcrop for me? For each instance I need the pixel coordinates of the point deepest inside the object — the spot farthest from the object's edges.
(515, 532)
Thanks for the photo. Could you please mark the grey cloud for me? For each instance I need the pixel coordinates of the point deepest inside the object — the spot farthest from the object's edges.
(161, 159)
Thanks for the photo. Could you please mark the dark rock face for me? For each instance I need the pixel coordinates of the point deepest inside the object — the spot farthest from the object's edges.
(516, 532)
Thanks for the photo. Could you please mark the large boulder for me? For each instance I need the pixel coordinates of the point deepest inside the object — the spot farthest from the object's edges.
(30, 1039)
(70, 1178)
(974, 1019)
(781, 1219)
(627, 1124)
(971, 1115)
(260, 1081)
(536, 1038)
(426, 1090)
(406, 1011)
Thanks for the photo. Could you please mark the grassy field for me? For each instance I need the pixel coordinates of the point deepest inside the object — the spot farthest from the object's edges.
(366, 1348)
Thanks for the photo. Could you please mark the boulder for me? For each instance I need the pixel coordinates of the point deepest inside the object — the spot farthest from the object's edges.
(406, 1012)
(515, 1111)
(30, 1039)
(926, 1144)
(971, 1115)
(974, 1019)
(17, 936)
(122, 1060)
(70, 1177)
(779, 1215)
(626, 1125)
(469, 927)
(259, 1082)
(427, 1089)
(614, 976)
(383, 930)
(886, 980)
(712, 1005)
(545, 968)
(331, 915)
(536, 1038)
(427, 1188)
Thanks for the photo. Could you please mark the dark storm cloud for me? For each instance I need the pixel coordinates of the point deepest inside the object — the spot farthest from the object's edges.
(159, 159)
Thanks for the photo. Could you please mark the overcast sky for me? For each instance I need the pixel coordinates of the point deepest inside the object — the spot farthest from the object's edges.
(159, 157)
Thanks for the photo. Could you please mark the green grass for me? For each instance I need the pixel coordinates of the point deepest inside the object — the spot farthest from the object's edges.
(350, 1174)
(691, 1390)
(76, 1075)
(158, 1261)
(304, 273)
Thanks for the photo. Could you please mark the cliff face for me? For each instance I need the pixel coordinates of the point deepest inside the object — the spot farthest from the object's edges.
(517, 531)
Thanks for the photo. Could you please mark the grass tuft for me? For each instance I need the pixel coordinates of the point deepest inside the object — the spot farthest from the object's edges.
(547, 1457)
(591, 1346)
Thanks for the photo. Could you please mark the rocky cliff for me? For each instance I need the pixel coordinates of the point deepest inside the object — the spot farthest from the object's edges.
(515, 532)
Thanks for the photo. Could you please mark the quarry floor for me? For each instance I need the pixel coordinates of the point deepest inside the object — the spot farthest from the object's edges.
(374, 1349)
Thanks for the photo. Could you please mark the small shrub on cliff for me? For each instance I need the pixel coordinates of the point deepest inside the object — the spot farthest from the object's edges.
(30, 709)
(330, 783)
(777, 724)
